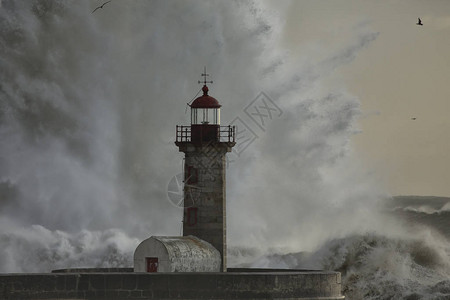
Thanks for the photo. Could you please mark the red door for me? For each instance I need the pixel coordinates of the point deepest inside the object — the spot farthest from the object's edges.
(152, 264)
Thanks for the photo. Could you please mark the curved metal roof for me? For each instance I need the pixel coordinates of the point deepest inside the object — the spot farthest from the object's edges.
(205, 101)
(187, 246)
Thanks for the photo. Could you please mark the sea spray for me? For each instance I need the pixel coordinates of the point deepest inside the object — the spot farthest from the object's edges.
(411, 261)
(89, 103)
(37, 249)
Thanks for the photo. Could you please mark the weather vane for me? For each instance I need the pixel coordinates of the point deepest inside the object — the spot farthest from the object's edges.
(204, 74)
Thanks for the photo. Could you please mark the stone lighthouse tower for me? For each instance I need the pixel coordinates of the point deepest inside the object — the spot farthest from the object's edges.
(205, 144)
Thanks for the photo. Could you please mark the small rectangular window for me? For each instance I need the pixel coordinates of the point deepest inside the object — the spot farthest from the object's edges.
(192, 175)
(191, 216)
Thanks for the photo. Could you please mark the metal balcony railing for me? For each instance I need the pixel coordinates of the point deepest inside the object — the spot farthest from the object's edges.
(224, 134)
(183, 133)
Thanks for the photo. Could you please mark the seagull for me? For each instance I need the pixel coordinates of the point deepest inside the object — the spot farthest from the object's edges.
(101, 6)
(419, 22)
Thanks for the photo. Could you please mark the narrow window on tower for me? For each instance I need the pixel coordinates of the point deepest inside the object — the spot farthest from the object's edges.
(192, 175)
(191, 216)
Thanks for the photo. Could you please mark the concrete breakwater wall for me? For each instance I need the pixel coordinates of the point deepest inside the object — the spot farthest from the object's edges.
(118, 286)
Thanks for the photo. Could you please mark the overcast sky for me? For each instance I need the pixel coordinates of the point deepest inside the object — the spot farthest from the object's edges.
(89, 103)
(403, 74)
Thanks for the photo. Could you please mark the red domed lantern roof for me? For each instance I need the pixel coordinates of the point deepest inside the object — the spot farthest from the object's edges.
(205, 101)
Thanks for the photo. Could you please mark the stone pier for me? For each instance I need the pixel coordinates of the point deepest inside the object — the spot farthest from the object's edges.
(234, 284)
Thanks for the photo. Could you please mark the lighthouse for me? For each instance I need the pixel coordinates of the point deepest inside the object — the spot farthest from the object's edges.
(205, 144)
(199, 256)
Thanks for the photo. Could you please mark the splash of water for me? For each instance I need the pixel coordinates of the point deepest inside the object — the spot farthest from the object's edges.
(88, 106)
(375, 266)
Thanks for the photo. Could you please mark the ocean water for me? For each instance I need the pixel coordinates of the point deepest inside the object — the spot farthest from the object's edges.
(88, 108)
(412, 265)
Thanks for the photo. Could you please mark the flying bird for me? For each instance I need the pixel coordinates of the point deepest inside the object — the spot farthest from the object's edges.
(413, 118)
(101, 6)
(419, 22)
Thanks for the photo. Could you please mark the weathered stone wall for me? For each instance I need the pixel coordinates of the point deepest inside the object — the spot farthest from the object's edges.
(94, 270)
(205, 192)
(121, 286)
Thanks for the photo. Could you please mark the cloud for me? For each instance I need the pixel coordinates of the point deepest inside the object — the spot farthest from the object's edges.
(87, 124)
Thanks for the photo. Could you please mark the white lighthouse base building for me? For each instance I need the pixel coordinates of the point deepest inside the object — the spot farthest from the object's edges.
(176, 254)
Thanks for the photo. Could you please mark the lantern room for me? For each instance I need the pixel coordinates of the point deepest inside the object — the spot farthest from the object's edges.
(205, 118)
(205, 109)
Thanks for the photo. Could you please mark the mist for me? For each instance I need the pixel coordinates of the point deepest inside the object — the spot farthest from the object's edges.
(88, 108)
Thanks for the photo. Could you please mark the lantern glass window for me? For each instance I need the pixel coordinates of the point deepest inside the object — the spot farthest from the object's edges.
(205, 116)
